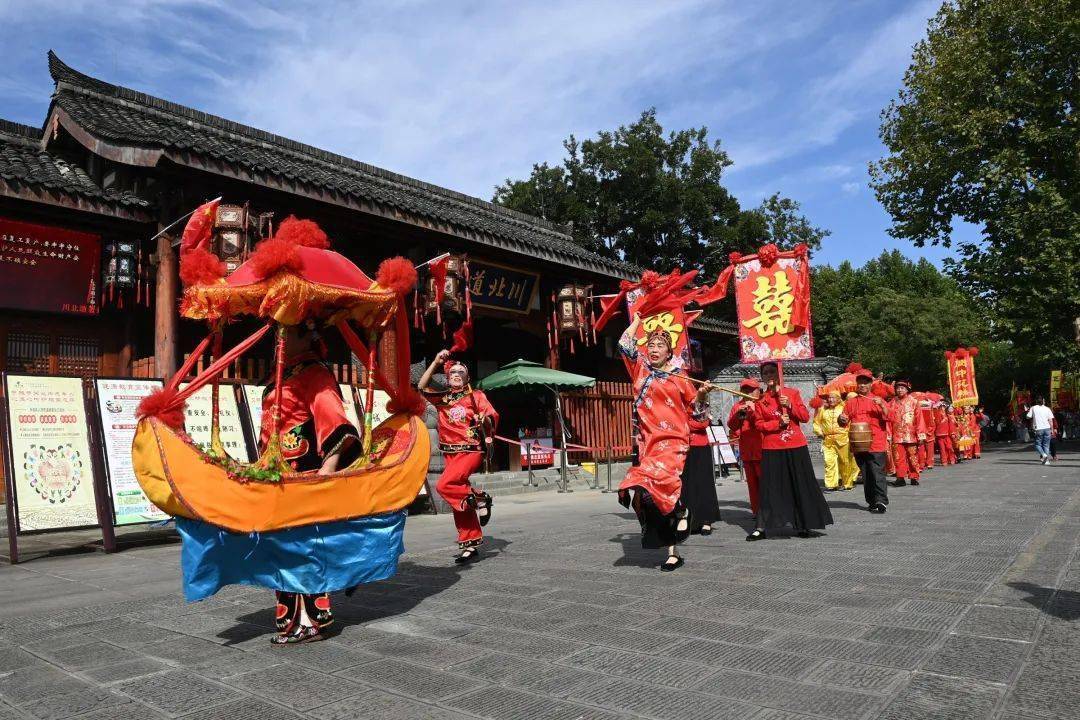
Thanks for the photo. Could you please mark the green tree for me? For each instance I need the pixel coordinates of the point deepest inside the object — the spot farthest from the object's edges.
(985, 130)
(654, 199)
(894, 316)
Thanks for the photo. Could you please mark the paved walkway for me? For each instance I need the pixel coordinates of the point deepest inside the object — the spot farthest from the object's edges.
(962, 602)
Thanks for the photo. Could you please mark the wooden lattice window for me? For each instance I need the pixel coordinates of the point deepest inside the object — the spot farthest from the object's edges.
(78, 356)
(28, 353)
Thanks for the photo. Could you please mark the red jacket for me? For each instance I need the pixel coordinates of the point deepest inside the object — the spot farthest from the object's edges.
(943, 422)
(767, 412)
(861, 409)
(459, 418)
(699, 435)
(742, 429)
(905, 420)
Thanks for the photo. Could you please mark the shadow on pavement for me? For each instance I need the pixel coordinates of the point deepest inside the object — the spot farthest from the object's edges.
(412, 584)
(1064, 605)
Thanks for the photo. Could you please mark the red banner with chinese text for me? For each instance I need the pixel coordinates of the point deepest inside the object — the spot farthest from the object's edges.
(49, 268)
(961, 367)
(772, 298)
(676, 321)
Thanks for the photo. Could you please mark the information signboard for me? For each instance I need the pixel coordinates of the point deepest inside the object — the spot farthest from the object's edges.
(52, 471)
(198, 415)
(117, 400)
(723, 453)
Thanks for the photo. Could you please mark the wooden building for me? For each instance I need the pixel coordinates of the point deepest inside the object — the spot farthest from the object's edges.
(120, 165)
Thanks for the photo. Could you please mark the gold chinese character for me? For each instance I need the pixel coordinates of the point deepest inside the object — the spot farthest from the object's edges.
(772, 303)
(663, 321)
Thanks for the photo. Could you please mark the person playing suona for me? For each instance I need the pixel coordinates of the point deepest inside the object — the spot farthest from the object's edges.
(466, 423)
(870, 411)
(789, 491)
(908, 431)
(831, 425)
(315, 435)
(926, 447)
(943, 429)
(741, 425)
(698, 481)
(665, 400)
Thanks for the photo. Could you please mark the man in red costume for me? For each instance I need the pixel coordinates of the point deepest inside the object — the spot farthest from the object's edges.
(466, 425)
(926, 447)
(908, 430)
(977, 418)
(315, 434)
(872, 410)
(741, 425)
(943, 432)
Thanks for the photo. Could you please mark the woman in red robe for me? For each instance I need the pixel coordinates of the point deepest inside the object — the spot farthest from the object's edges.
(466, 426)
(789, 493)
(664, 401)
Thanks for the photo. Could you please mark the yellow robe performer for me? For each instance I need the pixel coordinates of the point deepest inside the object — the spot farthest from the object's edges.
(841, 470)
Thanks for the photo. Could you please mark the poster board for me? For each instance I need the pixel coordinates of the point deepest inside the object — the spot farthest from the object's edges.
(723, 453)
(50, 469)
(117, 401)
(197, 418)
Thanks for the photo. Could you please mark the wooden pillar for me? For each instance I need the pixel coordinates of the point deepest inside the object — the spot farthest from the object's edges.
(127, 345)
(166, 320)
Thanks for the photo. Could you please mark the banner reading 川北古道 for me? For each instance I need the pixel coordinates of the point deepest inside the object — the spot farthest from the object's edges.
(961, 367)
(772, 298)
(500, 287)
(118, 399)
(48, 268)
(52, 470)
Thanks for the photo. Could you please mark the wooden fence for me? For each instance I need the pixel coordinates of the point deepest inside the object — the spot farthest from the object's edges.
(600, 417)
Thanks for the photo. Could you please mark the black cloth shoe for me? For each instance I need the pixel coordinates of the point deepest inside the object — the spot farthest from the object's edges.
(706, 531)
(468, 555)
(914, 482)
(669, 566)
(877, 509)
(900, 482)
(756, 535)
(296, 635)
(483, 505)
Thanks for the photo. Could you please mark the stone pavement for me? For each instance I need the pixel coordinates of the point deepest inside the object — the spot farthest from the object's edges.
(962, 602)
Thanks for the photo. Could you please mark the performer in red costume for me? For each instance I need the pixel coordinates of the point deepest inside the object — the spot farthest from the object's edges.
(741, 425)
(868, 408)
(315, 434)
(943, 432)
(906, 424)
(926, 447)
(665, 400)
(466, 425)
(789, 493)
(976, 431)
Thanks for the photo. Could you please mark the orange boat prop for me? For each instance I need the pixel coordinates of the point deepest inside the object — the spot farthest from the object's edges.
(176, 477)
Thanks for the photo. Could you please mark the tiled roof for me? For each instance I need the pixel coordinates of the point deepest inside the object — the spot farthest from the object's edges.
(24, 163)
(126, 117)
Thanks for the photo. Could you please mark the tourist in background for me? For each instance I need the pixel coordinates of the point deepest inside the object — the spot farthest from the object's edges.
(1042, 422)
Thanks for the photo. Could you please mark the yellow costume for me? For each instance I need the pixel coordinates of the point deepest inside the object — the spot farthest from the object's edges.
(840, 467)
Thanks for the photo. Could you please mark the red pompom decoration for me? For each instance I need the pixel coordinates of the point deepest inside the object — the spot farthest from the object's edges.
(816, 402)
(801, 250)
(162, 404)
(409, 401)
(625, 286)
(973, 351)
(200, 267)
(854, 368)
(768, 255)
(302, 232)
(275, 255)
(650, 279)
(397, 274)
(734, 257)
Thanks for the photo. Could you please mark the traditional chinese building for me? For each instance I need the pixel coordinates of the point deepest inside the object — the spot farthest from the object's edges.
(111, 167)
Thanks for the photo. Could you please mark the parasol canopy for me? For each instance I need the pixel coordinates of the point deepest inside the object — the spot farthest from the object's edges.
(523, 372)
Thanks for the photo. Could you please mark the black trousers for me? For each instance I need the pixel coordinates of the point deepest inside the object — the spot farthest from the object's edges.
(872, 467)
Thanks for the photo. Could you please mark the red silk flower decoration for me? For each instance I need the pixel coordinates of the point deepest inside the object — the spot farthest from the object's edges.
(768, 255)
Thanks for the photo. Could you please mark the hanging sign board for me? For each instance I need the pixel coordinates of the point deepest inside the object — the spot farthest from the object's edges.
(198, 415)
(52, 472)
(500, 287)
(117, 400)
(49, 268)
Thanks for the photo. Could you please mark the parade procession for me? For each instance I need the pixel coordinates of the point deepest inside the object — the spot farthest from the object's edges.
(584, 361)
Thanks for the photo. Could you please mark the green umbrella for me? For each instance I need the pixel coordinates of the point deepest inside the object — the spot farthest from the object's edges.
(522, 372)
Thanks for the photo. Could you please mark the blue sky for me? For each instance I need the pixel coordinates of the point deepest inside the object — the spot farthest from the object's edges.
(465, 94)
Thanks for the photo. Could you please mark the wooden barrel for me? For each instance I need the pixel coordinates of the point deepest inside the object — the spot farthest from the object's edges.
(860, 437)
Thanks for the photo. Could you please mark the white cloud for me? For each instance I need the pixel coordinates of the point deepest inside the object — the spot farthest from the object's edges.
(851, 188)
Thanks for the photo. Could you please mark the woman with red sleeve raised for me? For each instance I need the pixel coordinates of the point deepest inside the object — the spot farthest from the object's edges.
(871, 410)
(789, 493)
(466, 423)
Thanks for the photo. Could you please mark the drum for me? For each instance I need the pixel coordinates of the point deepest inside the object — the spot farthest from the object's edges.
(860, 437)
